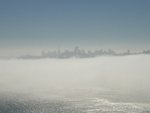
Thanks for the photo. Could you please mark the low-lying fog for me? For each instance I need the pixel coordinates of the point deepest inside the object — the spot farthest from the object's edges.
(125, 72)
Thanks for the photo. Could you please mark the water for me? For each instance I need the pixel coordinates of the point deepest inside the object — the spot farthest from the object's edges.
(94, 85)
(81, 100)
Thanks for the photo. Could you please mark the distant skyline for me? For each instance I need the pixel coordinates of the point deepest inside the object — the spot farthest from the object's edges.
(80, 53)
(35, 25)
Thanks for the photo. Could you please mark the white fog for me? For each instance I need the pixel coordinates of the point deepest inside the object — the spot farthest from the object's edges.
(124, 73)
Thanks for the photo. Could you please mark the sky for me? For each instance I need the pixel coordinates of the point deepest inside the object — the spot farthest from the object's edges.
(34, 25)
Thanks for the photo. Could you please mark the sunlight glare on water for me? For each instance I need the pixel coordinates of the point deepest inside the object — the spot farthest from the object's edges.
(90, 85)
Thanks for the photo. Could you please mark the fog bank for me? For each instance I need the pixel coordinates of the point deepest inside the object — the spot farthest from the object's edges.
(120, 72)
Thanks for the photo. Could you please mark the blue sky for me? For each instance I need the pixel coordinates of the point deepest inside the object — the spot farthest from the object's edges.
(29, 24)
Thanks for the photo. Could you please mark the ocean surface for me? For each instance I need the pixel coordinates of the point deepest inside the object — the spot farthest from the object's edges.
(75, 100)
(92, 85)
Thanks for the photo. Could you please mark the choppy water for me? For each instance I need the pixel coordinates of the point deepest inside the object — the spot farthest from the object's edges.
(72, 100)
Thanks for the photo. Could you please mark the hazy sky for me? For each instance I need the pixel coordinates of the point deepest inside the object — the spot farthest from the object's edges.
(38, 24)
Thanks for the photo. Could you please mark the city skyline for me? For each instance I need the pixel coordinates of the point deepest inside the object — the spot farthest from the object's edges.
(80, 53)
